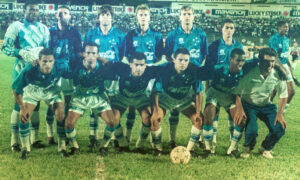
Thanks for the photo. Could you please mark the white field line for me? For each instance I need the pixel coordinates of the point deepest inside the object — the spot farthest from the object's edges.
(100, 169)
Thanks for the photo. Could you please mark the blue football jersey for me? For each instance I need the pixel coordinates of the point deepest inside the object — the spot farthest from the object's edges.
(66, 46)
(111, 46)
(151, 44)
(281, 46)
(195, 42)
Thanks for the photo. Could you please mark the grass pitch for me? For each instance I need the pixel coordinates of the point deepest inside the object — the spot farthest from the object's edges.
(46, 164)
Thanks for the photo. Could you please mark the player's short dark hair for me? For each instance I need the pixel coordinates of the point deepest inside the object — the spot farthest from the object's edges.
(186, 7)
(30, 2)
(237, 51)
(181, 50)
(104, 9)
(64, 7)
(227, 20)
(45, 52)
(142, 7)
(266, 51)
(92, 44)
(137, 56)
(281, 23)
(278, 66)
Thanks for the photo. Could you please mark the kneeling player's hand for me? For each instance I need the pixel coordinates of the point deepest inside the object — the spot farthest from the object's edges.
(157, 114)
(197, 118)
(24, 116)
(239, 116)
(281, 120)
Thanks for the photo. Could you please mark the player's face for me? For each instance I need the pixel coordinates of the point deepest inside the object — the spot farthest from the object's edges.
(186, 17)
(181, 62)
(90, 57)
(228, 30)
(267, 64)
(143, 17)
(237, 63)
(138, 67)
(46, 63)
(105, 19)
(31, 12)
(63, 16)
(284, 29)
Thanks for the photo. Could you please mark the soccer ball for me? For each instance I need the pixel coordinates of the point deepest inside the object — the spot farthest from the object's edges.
(180, 155)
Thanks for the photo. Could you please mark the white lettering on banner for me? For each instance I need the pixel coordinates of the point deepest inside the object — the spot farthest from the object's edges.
(4, 6)
(232, 12)
(79, 8)
(295, 13)
(18, 6)
(265, 13)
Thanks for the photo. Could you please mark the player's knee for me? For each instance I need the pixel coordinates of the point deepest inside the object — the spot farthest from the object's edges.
(291, 92)
(60, 116)
(68, 124)
(155, 125)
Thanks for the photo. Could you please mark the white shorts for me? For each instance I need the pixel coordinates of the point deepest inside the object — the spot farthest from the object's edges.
(124, 102)
(288, 73)
(33, 94)
(218, 98)
(96, 104)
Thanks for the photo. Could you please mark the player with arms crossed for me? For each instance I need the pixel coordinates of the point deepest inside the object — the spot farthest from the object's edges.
(23, 39)
(192, 38)
(34, 84)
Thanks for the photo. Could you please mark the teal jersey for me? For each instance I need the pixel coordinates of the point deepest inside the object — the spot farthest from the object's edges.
(90, 83)
(33, 75)
(24, 35)
(281, 46)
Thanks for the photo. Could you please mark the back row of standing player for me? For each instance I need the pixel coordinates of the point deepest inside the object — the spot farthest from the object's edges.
(113, 45)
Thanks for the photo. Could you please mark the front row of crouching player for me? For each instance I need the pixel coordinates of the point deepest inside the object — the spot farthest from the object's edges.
(242, 88)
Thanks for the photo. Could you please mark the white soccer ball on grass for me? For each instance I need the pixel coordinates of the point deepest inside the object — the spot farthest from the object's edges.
(180, 155)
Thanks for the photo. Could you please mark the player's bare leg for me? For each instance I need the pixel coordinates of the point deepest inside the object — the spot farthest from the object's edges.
(70, 130)
(144, 129)
(59, 112)
(209, 115)
(130, 122)
(156, 132)
(236, 136)
(25, 115)
(113, 126)
(190, 112)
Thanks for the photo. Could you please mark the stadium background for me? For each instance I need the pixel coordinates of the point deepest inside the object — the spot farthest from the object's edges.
(255, 20)
(45, 164)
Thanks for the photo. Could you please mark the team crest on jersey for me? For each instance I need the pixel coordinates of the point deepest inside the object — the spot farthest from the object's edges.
(196, 41)
(172, 79)
(135, 43)
(150, 44)
(127, 83)
(113, 42)
(97, 41)
(181, 41)
(222, 52)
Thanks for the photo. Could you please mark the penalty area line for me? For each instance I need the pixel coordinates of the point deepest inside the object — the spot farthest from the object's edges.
(100, 168)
